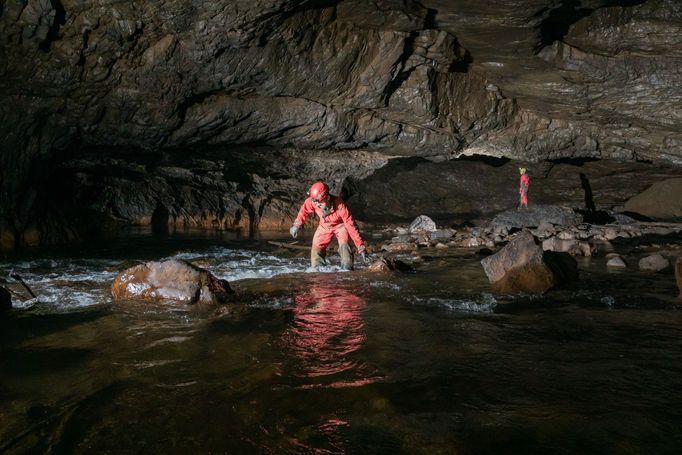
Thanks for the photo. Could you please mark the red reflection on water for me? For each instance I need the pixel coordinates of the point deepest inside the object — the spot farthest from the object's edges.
(327, 328)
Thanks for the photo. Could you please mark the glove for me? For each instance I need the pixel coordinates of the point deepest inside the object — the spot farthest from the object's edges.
(294, 231)
(363, 254)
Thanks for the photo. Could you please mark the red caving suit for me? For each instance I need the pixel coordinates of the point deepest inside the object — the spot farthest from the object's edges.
(523, 189)
(338, 222)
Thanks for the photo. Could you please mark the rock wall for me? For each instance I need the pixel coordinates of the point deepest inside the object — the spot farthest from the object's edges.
(221, 113)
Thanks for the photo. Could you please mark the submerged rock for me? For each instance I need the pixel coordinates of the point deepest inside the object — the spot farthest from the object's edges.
(170, 280)
(523, 267)
(389, 265)
(616, 262)
(399, 247)
(653, 263)
(5, 299)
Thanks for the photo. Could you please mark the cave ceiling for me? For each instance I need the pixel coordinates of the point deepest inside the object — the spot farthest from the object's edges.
(528, 79)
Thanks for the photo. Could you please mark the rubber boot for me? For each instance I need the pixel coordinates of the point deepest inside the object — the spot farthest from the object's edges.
(346, 256)
(317, 258)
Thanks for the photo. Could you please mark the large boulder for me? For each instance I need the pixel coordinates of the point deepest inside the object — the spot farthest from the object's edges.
(422, 224)
(535, 216)
(678, 273)
(5, 299)
(170, 280)
(663, 200)
(523, 267)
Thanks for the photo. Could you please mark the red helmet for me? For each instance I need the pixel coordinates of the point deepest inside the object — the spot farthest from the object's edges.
(319, 191)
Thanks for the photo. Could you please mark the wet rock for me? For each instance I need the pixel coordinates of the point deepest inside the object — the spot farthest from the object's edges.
(558, 245)
(572, 247)
(523, 267)
(653, 263)
(659, 231)
(473, 242)
(566, 235)
(441, 246)
(535, 216)
(170, 280)
(663, 200)
(389, 265)
(422, 224)
(678, 273)
(5, 299)
(611, 233)
(402, 238)
(398, 247)
(441, 234)
(601, 246)
(585, 249)
(621, 218)
(616, 262)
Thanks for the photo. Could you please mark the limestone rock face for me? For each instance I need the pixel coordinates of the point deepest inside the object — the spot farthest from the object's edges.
(170, 280)
(522, 267)
(663, 200)
(221, 113)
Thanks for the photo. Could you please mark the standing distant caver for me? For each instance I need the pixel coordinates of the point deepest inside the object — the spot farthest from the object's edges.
(335, 220)
(524, 181)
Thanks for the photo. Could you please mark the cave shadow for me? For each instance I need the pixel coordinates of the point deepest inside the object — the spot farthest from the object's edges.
(559, 20)
(351, 187)
(587, 188)
(493, 161)
(57, 22)
(573, 161)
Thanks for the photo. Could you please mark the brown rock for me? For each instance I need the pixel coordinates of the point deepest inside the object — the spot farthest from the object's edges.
(170, 280)
(663, 200)
(522, 267)
(399, 246)
(389, 265)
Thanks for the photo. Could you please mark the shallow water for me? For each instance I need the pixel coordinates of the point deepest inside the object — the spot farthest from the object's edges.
(335, 362)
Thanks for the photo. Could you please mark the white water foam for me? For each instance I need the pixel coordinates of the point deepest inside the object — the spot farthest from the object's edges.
(64, 284)
(486, 304)
(234, 265)
(385, 285)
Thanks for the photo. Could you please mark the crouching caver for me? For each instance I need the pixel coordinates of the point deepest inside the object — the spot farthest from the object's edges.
(335, 220)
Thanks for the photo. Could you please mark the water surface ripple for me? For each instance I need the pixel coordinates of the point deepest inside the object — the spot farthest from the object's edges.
(336, 362)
